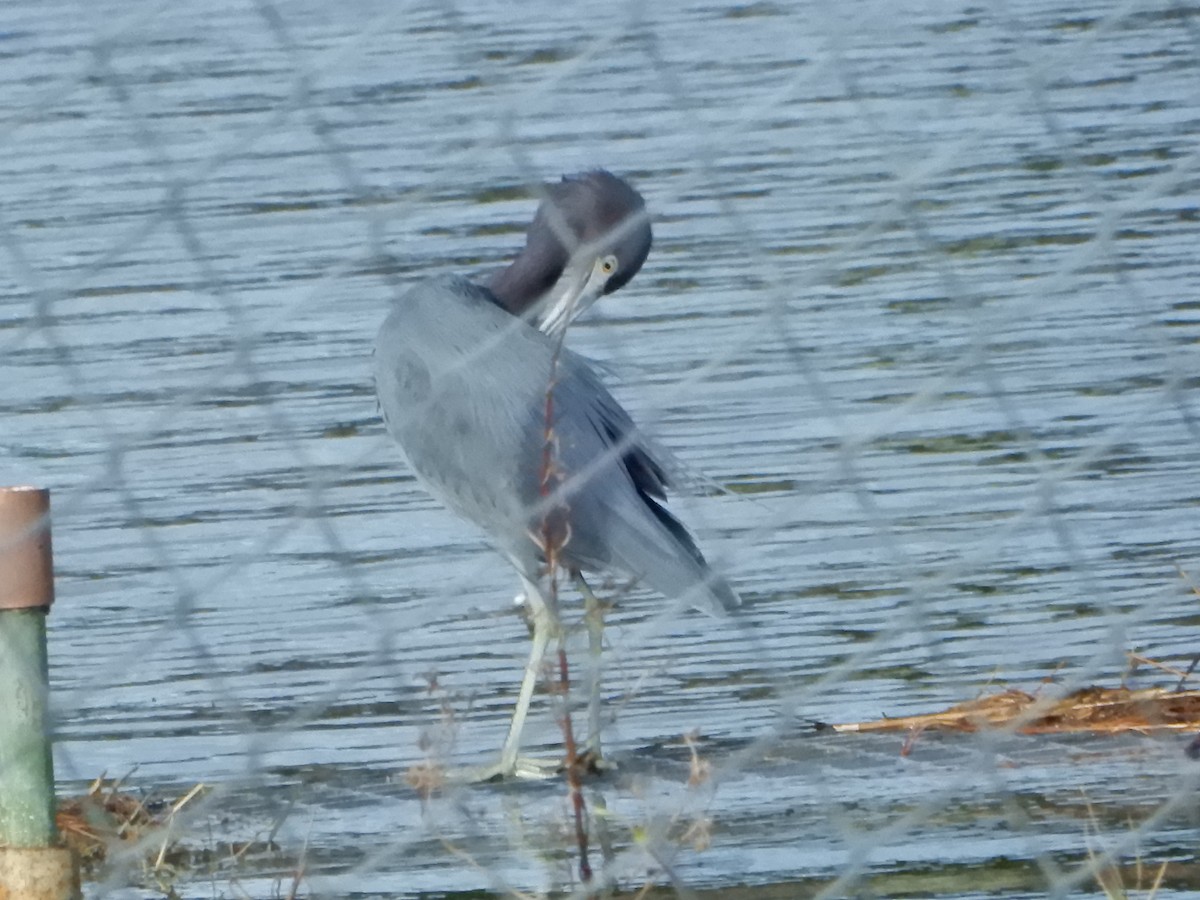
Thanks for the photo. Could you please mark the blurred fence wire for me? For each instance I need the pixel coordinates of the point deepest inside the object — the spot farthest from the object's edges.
(921, 316)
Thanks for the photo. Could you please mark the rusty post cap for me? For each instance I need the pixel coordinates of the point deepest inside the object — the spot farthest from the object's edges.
(26, 563)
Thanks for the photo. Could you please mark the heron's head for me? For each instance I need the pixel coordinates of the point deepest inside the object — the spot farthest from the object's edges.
(589, 237)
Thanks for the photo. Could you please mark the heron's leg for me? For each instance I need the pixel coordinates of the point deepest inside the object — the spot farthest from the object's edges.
(545, 627)
(594, 617)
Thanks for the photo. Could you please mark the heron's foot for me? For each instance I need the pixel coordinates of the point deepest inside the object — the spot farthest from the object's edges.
(523, 767)
(590, 762)
(528, 768)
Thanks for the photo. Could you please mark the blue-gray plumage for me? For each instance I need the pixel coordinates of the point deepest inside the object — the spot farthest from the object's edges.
(462, 387)
(462, 374)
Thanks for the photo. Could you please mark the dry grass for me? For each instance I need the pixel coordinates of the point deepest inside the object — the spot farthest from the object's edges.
(105, 818)
(1094, 710)
(109, 827)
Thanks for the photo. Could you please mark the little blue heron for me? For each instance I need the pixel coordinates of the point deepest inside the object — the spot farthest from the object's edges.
(474, 385)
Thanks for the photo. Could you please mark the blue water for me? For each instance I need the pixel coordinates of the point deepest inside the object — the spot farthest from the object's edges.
(922, 299)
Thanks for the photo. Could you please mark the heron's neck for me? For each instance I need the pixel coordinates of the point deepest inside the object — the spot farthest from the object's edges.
(519, 286)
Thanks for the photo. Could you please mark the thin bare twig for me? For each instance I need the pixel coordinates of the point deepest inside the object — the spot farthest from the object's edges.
(556, 532)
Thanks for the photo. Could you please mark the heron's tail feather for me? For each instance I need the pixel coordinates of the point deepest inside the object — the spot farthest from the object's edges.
(667, 559)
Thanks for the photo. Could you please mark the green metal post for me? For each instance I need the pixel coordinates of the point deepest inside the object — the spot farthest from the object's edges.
(32, 865)
(26, 770)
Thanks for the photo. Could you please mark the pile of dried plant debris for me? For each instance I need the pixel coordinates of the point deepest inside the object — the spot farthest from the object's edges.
(1096, 710)
(106, 819)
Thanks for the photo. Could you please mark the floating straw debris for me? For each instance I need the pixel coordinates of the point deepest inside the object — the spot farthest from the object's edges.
(1095, 710)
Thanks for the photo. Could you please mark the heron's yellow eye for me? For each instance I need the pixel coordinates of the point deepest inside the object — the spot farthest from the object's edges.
(608, 264)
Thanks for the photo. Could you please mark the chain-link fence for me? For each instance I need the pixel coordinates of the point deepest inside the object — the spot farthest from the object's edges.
(920, 320)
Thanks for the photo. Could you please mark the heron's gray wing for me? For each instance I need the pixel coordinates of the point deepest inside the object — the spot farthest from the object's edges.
(675, 474)
(624, 438)
(615, 511)
(458, 381)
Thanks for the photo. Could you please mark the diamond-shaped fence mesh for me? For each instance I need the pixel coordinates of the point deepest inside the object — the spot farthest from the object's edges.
(921, 320)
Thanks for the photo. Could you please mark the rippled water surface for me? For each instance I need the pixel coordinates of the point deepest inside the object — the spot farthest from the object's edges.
(923, 300)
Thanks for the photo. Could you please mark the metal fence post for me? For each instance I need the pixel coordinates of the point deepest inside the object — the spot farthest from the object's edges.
(32, 865)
